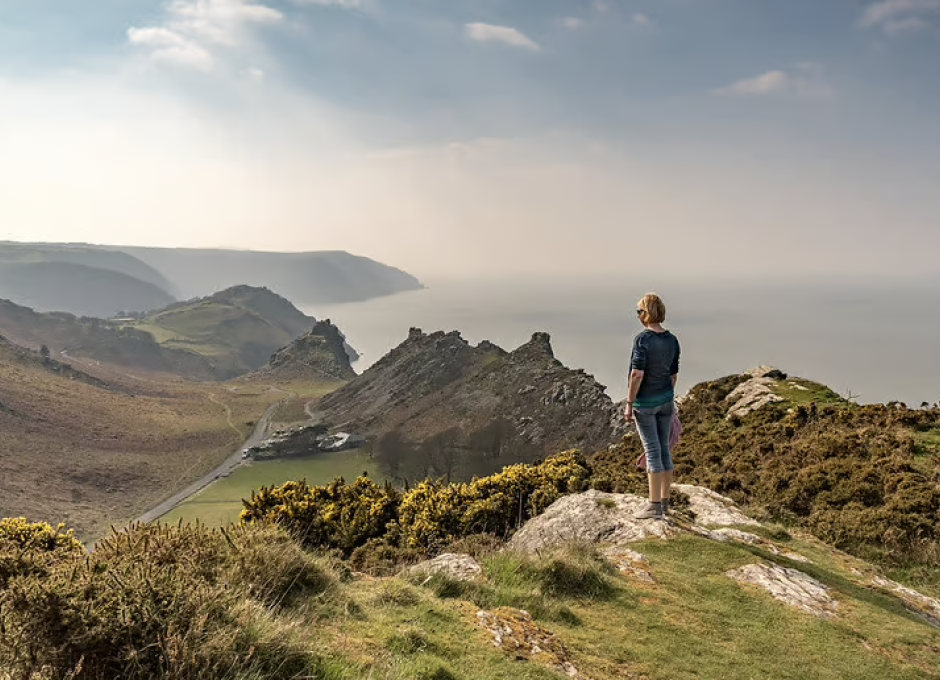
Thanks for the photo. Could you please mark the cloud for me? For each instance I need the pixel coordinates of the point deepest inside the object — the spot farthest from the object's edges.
(809, 83)
(908, 25)
(899, 16)
(170, 47)
(503, 34)
(572, 22)
(336, 3)
(641, 19)
(193, 28)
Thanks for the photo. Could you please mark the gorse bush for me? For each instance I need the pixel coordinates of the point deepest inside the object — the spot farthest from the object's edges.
(434, 514)
(158, 602)
(34, 548)
(339, 515)
(348, 517)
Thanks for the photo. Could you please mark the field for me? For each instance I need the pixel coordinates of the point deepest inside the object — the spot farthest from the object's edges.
(92, 455)
(220, 504)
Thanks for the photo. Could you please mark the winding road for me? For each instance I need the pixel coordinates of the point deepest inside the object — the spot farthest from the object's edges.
(229, 464)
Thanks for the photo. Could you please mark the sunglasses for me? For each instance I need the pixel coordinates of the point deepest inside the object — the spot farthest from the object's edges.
(639, 312)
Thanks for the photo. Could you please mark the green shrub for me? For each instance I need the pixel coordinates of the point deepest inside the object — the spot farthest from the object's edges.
(380, 557)
(155, 602)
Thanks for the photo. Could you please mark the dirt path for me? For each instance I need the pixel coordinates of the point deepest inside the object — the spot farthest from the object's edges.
(229, 464)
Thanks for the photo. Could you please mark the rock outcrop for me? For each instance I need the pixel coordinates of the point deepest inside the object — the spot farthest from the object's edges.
(432, 383)
(457, 567)
(598, 517)
(321, 354)
(590, 517)
(927, 608)
(755, 392)
(790, 586)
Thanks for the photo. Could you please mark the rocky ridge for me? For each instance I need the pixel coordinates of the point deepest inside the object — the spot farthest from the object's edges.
(321, 354)
(435, 382)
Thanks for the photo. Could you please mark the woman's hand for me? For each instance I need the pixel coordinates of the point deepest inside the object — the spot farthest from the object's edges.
(628, 413)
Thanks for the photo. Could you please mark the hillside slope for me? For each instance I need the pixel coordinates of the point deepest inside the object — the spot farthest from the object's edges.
(98, 340)
(321, 582)
(864, 478)
(78, 289)
(471, 409)
(99, 257)
(306, 278)
(236, 330)
(97, 449)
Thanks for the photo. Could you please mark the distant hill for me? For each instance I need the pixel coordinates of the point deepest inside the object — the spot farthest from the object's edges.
(99, 257)
(78, 288)
(306, 278)
(97, 339)
(236, 330)
(320, 355)
(101, 281)
(440, 406)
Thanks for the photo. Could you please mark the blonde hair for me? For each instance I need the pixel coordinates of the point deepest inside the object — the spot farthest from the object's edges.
(653, 309)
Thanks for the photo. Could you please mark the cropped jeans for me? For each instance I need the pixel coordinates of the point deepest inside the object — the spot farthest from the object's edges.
(654, 425)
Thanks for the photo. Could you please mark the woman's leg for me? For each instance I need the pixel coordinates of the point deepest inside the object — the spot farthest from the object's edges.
(648, 431)
(663, 431)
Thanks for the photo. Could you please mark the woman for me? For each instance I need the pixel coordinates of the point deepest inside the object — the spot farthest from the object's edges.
(654, 368)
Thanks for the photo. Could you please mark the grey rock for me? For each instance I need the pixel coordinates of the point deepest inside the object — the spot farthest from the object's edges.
(790, 586)
(459, 567)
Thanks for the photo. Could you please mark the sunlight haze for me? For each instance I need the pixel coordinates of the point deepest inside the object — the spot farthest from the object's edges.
(481, 137)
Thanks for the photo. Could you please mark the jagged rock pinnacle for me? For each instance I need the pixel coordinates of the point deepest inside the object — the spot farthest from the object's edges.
(539, 347)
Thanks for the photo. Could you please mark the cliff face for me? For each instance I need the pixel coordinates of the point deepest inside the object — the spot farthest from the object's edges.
(438, 382)
(318, 355)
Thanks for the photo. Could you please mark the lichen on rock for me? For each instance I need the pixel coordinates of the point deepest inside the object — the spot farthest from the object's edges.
(516, 633)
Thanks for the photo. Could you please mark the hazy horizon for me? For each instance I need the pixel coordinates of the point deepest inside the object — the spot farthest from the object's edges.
(835, 335)
(482, 138)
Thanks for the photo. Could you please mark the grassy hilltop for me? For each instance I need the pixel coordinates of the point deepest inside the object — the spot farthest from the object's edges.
(236, 330)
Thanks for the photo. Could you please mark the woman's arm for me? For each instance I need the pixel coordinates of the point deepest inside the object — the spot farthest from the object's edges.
(636, 379)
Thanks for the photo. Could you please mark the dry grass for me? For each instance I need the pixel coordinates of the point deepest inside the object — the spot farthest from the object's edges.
(91, 456)
(294, 411)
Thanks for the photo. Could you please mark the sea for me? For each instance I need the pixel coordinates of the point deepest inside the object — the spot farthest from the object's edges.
(870, 341)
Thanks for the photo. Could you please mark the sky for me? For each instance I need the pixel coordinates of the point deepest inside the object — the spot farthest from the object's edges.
(492, 138)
